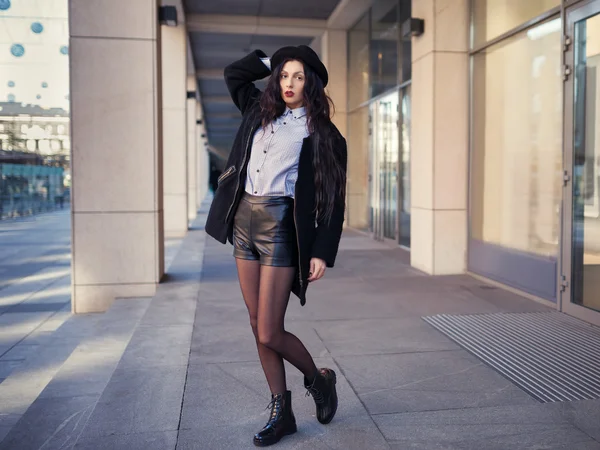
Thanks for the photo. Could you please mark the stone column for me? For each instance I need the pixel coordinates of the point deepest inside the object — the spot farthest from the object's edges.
(203, 157)
(192, 149)
(175, 171)
(439, 139)
(117, 215)
(334, 56)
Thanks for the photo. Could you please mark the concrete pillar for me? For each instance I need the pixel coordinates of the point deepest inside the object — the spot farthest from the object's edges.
(174, 108)
(203, 157)
(439, 139)
(199, 150)
(117, 215)
(192, 149)
(334, 56)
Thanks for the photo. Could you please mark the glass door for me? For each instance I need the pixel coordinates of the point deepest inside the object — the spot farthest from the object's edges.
(404, 169)
(384, 166)
(580, 283)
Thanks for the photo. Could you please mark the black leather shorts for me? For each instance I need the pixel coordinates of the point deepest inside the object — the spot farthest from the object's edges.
(263, 230)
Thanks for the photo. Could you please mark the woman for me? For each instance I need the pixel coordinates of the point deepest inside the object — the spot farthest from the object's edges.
(280, 202)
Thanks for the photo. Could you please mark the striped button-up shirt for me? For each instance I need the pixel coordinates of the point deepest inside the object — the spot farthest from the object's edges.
(273, 165)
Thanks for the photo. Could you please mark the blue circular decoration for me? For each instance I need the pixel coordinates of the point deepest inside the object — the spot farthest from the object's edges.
(11, 84)
(17, 50)
(11, 98)
(38, 96)
(64, 49)
(37, 27)
(44, 85)
(4, 5)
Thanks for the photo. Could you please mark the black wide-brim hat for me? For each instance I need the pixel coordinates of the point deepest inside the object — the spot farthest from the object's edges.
(302, 53)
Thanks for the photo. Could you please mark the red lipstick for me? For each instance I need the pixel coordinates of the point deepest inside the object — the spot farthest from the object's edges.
(289, 93)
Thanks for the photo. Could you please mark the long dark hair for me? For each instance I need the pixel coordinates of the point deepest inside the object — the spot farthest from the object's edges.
(330, 184)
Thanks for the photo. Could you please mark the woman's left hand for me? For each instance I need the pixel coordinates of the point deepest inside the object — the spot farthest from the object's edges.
(317, 269)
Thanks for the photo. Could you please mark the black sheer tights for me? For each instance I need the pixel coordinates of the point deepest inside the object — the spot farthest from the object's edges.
(266, 291)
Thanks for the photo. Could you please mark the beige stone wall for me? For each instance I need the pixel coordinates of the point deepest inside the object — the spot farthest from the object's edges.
(174, 83)
(358, 169)
(192, 150)
(333, 51)
(117, 210)
(439, 139)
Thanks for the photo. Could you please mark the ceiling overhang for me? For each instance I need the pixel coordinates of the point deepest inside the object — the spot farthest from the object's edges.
(266, 26)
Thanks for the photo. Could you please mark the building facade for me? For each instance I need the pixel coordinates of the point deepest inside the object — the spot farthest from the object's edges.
(475, 144)
(472, 129)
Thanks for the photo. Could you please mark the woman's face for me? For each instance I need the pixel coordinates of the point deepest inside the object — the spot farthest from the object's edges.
(291, 81)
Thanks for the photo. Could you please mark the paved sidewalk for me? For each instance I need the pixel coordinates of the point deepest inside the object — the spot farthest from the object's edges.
(180, 370)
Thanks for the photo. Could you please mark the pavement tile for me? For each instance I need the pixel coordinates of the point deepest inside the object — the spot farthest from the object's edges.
(166, 312)
(20, 352)
(238, 393)
(56, 422)
(28, 380)
(428, 381)
(87, 371)
(234, 341)
(164, 440)
(6, 367)
(496, 428)
(379, 336)
(15, 327)
(508, 443)
(152, 346)
(347, 433)
(585, 415)
(141, 400)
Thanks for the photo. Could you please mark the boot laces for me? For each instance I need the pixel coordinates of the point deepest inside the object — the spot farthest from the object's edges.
(317, 394)
(274, 408)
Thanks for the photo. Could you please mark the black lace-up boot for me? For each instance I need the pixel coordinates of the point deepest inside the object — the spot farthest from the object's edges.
(322, 388)
(281, 421)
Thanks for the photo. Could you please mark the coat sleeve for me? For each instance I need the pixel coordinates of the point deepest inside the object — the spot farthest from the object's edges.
(328, 234)
(240, 77)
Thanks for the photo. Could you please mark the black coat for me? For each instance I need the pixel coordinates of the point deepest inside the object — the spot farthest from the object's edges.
(315, 239)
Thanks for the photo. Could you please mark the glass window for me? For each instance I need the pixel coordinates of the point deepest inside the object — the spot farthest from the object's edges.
(491, 18)
(358, 63)
(517, 142)
(35, 81)
(405, 47)
(384, 46)
(404, 169)
(586, 163)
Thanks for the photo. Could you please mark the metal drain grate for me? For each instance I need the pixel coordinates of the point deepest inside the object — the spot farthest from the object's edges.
(552, 356)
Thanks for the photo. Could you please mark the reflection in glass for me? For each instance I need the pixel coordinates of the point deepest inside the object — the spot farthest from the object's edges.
(358, 63)
(492, 18)
(384, 165)
(586, 165)
(34, 128)
(405, 46)
(517, 142)
(404, 169)
(384, 46)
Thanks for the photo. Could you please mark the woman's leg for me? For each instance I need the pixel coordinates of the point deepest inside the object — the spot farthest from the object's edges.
(272, 363)
(274, 294)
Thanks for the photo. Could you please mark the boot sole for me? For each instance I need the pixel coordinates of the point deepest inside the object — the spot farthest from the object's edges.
(325, 422)
(275, 441)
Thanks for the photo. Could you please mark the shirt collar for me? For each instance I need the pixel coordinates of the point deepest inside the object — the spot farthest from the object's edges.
(296, 113)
